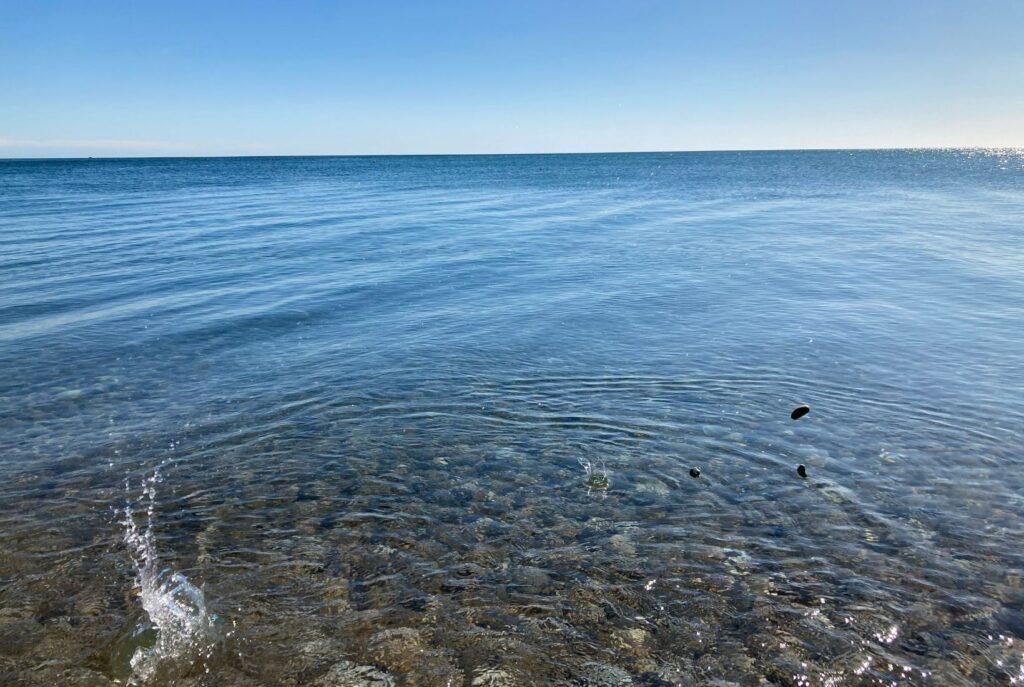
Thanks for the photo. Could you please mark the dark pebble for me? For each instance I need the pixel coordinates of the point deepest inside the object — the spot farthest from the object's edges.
(801, 470)
(694, 472)
(800, 411)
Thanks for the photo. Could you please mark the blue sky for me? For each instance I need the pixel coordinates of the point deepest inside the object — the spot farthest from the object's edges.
(309, 77)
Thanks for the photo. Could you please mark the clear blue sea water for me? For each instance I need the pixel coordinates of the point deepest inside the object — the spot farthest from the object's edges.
(364, 394)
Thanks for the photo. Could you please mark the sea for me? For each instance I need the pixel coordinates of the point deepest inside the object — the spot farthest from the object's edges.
(513, 420)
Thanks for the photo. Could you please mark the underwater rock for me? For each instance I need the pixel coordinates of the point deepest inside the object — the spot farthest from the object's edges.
(531, 579)
(435, 669)
(318, 647)
(669, 675)
(654, 487)
(720, 666)
(800, 411)
(19, 635)
(622, 545)
(738, 562)
(456, 497)
(70, 395)
(492, 677)
(603, 675)
(396, 649)
(586, 614)
(632, 641)
(348, 674)
(642, 499)
(488, 529)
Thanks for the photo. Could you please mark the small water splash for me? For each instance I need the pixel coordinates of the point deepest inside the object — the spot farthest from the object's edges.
(594, 479)
(178, 630)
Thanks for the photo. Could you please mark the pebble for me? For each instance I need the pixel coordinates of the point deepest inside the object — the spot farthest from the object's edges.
(800, 411)
(347, 674)
(694, 472)
(621, 544)
(801, 470)
(492, 677)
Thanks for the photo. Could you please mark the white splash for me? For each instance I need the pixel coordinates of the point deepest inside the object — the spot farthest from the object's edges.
(175, 608)
(595, 480)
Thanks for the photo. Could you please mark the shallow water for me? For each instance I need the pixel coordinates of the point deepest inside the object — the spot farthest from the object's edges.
(370, 388)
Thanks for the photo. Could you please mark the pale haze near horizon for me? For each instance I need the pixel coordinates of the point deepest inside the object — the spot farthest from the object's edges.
(260, 78)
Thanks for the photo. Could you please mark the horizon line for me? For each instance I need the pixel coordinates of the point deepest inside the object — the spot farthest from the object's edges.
(506, 154)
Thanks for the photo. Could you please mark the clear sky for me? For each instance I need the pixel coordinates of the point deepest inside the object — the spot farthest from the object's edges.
(216, 77)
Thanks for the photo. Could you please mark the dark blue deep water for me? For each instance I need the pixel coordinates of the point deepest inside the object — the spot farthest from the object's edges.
(430, 420)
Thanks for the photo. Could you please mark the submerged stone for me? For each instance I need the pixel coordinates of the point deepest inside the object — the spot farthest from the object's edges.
(492, 677)
(348, 674)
